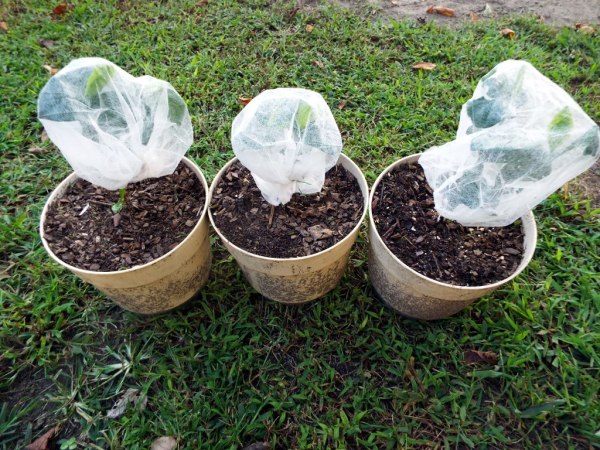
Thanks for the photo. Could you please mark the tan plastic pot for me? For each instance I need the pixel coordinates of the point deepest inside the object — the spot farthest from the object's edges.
(160, 285)
(415, 295)
(297, 280)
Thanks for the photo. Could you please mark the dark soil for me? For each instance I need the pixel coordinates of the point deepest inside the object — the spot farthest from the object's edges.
(307, 224)
(441, 249)
(160, 212)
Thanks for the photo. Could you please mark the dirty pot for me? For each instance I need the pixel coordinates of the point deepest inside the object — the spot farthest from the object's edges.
(297, 280)
(160, 285)
(417, 296)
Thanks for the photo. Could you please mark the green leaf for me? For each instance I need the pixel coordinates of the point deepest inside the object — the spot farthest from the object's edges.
(560, 127)
(303, 115)
(177, 107)
(99, 78)
(535, 411)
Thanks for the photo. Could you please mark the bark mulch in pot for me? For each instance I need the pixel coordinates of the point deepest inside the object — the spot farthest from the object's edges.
(159, 213)
(441, 249)
(307, 224)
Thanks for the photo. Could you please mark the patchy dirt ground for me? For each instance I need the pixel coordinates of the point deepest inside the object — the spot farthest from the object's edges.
(557, 12)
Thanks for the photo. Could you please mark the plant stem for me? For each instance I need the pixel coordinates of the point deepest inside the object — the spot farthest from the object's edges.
(118, 207)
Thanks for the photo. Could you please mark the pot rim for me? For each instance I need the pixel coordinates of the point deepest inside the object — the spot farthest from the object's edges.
(528, 237)
(362, 182)
(71, 178)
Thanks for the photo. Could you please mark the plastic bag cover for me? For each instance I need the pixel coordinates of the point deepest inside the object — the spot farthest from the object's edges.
(288, 139)
(112, 128)
(520, 138)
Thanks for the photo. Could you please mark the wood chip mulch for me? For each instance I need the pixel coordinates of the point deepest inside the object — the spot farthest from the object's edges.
(306, 225)
(82, 230)
(405, 217)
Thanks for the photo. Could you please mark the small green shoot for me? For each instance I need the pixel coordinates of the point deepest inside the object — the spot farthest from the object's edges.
(118, 207)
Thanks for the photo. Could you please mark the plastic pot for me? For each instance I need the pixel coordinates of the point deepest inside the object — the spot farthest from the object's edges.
(157, 286)
(297, 280)
(417, 296)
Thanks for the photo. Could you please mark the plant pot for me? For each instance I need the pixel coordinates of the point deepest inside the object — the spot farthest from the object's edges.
(302, 279)
(417, 296)
(160, 285)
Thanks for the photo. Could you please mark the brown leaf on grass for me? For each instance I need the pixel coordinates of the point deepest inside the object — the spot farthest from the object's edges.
(319, 64)
(164, 443)
(584, 28)
(507, 33)
(245, 100)
(309, 28)
(130, 395)
(424, 66)
(202, 3)
(441, 10)
(47, 43)
(476, 357)
(4, 26)
(35, 150)
(43, 136)
(474, 16)
(42, 442)
(51, 70)
(292, 13)
(60, 9)
(341, 105)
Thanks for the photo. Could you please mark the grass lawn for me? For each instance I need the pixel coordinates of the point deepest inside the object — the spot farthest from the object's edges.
(231, 369)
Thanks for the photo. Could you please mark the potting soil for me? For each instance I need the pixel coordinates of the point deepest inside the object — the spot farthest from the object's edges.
(159, 213)
(441, 249)
(306, 225)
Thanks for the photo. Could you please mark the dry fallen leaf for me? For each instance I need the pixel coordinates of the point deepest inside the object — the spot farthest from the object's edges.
(474, 17)
(309, 28)
(584, 28)
(319, 64)
(51, 70)
(42, 442)
(245, 100)
(164, 443)
(202, 3)
(441, 10)
(35, 150)
(47, 43)
(476, 356)
(507, 33)
(60, 9)
(424, 66)
(130, 395)
(43, 136)
(342, 104)
(4, 26)
(319, 232)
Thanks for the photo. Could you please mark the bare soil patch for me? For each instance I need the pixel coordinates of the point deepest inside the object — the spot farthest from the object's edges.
(555, 12)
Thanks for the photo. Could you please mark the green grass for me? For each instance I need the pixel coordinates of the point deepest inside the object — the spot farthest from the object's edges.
(231, 369)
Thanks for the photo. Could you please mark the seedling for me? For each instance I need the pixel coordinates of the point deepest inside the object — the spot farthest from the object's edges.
(288, 139)
(118, 207)
(519, 139)
(112, 128)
